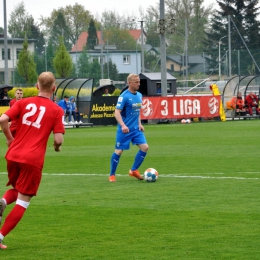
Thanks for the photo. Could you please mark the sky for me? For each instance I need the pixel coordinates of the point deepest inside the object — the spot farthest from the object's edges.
(37, 8)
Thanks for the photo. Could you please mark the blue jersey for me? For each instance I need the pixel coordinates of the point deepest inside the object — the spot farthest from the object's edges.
(130, 106)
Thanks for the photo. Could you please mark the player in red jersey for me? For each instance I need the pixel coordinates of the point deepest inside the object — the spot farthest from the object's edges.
(18, 96)
(36, 118)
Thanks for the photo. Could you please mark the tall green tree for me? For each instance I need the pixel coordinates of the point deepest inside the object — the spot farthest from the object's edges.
(244, 23)
(83, 64)
(77, 20)
(191, 18)
(92, 40)
(95, 72)
(110, 71)
(60, 29)
(62, 61)
(20, 22)
(120, 38)
(26, 65)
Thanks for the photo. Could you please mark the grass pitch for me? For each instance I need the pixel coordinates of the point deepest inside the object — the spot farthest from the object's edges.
(204, 205)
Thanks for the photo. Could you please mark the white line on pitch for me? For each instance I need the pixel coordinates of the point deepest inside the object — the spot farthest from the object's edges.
(161, 176)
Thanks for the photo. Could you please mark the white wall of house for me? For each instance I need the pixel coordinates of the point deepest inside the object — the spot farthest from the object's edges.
(14, 46)
(125, 61)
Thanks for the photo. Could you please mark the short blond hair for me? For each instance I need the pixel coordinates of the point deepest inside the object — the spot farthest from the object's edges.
(46, 80)
(131, 77)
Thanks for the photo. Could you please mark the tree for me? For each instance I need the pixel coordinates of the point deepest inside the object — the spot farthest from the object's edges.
(192, 15)
(95, 71)
(26, 65)
(60, 29)
(112, 69)
(50, 53)
(77, 20)
(244, 24)
(150, 28)
(92, 40)
(83, 64)
(120, 38)
(62, 61)
(20, 22)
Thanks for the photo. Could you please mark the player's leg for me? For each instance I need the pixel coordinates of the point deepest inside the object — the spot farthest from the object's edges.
(140, 140)
(27, 183)
(122, 143)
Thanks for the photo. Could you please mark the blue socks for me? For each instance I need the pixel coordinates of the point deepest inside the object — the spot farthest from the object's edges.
(139, 158)
(113, 163)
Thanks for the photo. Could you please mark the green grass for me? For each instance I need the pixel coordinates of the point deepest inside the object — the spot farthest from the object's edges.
(204, 205)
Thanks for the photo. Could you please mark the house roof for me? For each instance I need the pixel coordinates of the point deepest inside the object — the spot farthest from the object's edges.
(81, 42)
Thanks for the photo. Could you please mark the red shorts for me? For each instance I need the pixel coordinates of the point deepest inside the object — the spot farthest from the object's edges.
(23, 177)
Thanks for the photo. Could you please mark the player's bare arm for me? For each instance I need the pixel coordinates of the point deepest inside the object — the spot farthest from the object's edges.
(58, 141)
(4, 119)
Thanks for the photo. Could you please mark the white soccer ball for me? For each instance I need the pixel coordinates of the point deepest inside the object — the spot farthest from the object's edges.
(188, 121)
(150, 175)
(183, 121)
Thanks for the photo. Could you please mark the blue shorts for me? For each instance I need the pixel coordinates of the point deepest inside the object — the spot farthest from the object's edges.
(123, 140)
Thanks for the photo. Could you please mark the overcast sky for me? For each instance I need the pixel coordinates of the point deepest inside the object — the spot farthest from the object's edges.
(37, 8)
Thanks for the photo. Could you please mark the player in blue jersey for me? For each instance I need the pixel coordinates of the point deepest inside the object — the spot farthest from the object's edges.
(130, 129)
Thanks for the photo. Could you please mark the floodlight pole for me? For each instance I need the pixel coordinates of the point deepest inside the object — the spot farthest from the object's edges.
(5, 45)
(163, 55)
(219, 58)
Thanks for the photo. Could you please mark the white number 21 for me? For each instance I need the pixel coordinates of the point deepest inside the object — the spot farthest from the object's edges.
(33, 109)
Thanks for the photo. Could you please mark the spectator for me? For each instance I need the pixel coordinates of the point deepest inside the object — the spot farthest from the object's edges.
(64, 104)
(74, 111)
(238, 104)
(252, 101)
(4, 98)
(38, 117)
(18, 96)
(106, 93)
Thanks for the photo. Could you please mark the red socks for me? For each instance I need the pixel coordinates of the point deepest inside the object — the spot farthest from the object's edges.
(10, 196)
(12, 219)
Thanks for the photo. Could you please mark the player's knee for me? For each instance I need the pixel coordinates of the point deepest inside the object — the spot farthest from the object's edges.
(145, 148)
(118, 152)
(23, 203)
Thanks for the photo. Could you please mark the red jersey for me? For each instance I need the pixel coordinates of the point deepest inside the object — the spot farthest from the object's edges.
(12, 102)
(13, 125)
(36, 118)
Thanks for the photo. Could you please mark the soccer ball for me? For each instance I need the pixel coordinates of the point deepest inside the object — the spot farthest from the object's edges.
(188, 121)
(183, 121)
(150, 175)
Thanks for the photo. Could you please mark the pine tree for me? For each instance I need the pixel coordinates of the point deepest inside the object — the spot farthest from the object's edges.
(243, 14)
(62, 61)
(92, 39)
(95, 72)
(26, 65)
(83, 64)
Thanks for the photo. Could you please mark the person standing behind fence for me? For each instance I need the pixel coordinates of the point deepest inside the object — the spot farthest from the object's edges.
(38, 117)
(130, 129)
(74, 111)
(18, 96)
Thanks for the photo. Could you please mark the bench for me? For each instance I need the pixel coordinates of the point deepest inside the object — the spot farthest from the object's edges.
(237, 114)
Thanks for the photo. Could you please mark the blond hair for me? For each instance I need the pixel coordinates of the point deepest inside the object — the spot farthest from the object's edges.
(46, 80)
(131, 77)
